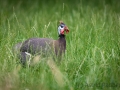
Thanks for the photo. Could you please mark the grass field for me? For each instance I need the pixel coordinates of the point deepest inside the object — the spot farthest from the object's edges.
(92, 58)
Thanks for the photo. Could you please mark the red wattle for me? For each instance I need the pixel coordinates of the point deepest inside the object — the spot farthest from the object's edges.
(62, 31)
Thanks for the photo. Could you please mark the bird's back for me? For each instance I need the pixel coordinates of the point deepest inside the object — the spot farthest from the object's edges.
(37, 45)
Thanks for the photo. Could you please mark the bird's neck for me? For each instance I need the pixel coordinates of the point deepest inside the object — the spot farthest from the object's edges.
(62, 41)
(62, 38)
(60, 45)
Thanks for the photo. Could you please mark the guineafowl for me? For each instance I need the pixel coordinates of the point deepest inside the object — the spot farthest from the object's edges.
(44, 46)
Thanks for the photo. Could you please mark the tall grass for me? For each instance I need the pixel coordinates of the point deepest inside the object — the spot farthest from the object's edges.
(92, 58)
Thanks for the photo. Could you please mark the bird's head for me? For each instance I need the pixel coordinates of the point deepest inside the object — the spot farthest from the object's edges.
(62, 28)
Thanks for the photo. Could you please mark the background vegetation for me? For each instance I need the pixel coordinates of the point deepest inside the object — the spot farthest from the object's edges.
(92, 59)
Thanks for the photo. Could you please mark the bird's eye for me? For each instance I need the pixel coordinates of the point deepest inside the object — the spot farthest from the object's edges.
(61, 26)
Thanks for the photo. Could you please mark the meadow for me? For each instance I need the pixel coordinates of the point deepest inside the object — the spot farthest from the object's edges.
(92, 58)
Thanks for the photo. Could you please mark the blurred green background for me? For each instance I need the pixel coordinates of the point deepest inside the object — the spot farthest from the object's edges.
(92, 58)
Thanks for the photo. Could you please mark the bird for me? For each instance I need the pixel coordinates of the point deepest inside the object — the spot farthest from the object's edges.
(43, 46)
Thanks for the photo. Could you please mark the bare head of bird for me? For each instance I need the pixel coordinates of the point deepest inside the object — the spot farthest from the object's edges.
(62, 28)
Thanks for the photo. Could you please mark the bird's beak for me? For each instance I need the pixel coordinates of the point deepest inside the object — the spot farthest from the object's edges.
(66, 29)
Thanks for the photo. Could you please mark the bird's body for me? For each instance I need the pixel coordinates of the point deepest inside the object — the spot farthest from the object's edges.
(44, 46)
(36, 45)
